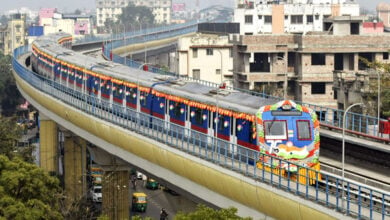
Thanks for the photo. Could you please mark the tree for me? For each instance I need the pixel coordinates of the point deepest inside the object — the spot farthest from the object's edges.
(27, 192)
(384, 70)
(204, 212)
(140, 16)
(10, 97)
(3, 20)
(77, 12)
(9, 135)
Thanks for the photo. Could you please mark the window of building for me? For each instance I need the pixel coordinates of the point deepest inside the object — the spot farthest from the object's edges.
(317, 17)
(218, 71)
(318, 88)
(260, 17)
(248, 19)
(386, 55)
(296, 19)
(196, 73)
(268, 19)
(209, 51)
(309, 19)
(286, 17)
(194, 52)
(317, 59)
(231, 52)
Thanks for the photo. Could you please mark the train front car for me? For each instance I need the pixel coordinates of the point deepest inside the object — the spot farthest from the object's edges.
(289, 132)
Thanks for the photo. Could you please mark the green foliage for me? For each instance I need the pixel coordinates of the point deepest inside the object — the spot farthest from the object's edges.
(27, 192)
(10, 97)
(10, 133)
(384, 70)
(205, 213)
(136, 17)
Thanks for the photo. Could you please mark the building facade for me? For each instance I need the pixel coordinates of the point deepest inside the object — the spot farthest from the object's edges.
(383, 10)
(110, 9)
(14, 34)
(289, 16)
(206, 57)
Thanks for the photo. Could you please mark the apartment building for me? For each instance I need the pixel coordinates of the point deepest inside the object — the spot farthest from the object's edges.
(206, 56)
(54, 21)
(292, 49)
(289, 16)
(302, 67)
(14, 34)
(110, 9)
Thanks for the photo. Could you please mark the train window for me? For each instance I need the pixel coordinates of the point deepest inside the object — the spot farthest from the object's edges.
(132, 94)
(198, 116)
(303, 128)
(143, 97)
(177, 109)
(275, 130)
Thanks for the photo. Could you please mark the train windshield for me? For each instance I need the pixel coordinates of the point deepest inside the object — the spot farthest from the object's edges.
(304, 130)
(275, 130)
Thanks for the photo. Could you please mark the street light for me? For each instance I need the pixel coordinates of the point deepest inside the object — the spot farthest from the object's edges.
(379, 98)
(221, 64)
(343, 151)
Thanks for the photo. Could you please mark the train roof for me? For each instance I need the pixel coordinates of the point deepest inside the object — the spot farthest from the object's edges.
(224, 98)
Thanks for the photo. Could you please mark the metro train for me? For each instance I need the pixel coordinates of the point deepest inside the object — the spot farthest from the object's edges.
(282, 129)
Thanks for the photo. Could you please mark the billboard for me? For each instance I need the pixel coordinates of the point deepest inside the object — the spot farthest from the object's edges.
(178, 7)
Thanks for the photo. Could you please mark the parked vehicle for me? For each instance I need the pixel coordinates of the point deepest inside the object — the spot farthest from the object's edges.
(151, 183)
(96, 193)
(139, 202)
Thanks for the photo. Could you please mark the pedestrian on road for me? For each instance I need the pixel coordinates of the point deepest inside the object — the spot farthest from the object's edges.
(163, 214)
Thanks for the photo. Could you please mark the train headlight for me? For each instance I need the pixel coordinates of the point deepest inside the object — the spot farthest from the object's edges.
(286, 107)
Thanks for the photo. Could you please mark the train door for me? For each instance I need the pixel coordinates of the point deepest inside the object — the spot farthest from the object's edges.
(222, 126)
(145, 105)
(79, 79)
(131, 97)
(71, 76)
(158, 107)
(55, 71)
(117, 96)
(177, 116)
(177, 113)
(59, 73)
(199, 119)
(106, 94)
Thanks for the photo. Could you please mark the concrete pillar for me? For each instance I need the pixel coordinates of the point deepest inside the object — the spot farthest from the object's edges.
(74, 168)
(115, 192)
(48, 153)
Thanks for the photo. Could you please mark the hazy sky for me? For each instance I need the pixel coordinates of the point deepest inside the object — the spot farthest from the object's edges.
(72, 5)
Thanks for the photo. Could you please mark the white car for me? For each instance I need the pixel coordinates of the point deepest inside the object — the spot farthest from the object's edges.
(96, 193)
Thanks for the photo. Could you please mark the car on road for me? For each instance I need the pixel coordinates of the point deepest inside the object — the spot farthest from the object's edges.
(96, 193)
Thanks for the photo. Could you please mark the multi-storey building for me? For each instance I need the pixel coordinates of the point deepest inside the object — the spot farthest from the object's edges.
(289, 16)
(207, 57)
(15, 35)
(110, 9)
(53, 21)
(286, 59)
(383, 10)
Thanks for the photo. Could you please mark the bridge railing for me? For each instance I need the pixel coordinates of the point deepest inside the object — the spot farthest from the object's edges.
(344, 195)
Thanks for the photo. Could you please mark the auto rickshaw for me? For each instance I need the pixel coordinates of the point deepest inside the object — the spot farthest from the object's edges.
(151, 183)
(139, 202)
